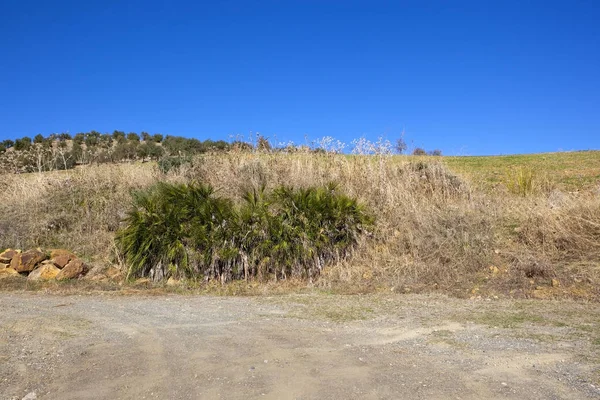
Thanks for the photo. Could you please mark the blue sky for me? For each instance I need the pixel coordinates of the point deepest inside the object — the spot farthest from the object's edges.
(467, 77)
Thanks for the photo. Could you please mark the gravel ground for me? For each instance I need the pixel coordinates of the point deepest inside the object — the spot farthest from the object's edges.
(313, 346)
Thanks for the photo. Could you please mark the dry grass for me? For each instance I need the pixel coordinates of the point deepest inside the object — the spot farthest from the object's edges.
(79, 209)
(435, 230)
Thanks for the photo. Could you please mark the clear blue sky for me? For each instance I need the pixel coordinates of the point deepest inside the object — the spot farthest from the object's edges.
(468, 77)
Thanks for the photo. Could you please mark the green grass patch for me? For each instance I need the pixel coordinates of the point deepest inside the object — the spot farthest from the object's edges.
(567, 171)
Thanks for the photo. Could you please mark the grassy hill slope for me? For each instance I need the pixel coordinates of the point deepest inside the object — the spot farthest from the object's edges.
(520, 225)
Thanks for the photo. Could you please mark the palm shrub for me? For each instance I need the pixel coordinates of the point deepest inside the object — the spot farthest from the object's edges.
(295, 232)
(184, 229)
(322, 225)
(165, 224)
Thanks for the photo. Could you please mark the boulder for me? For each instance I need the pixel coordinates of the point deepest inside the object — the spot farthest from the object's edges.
(7, 255)
(73, 269)
(8, 272)
(27, 261)
(61, 260)
(44, 272)
(61, 252)
(2, 265)
(15, 261)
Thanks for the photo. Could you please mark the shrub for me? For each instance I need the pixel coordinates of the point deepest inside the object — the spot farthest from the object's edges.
(79, 138)
(167, 164)
(119, 136)
(179, 229)
(520, 181)
(23, 144)
(419, 152)
(400, 146)
(164, 220)
(133, 137)
(263, 144)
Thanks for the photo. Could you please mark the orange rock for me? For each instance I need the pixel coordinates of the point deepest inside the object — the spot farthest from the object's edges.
(61, 252)
(8, 272)
(73, 269)
(26, 262)
(61, 260)
(7, 255)
(44, 272)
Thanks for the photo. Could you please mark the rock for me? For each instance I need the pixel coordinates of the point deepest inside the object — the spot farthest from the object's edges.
(15, 261)
(2, 265)
(26, 262)
(44, 272)
(61, 260)
(113, 273)
(73, 269)
(555, 282)
(7, 255)
(30, 396)
(172, 281)
(103, 274)
(61, 252)
(8, 272)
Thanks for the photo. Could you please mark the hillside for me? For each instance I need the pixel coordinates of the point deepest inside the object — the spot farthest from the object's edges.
(515, 225)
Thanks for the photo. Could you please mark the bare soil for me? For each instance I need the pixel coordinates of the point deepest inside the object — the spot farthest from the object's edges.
(314, 346)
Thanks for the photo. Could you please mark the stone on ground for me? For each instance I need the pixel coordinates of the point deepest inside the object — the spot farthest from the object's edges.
(27, 261)
(44, 272)
(61, 252)
(73, 269)
(61, 260)
(7, 255)
(8, 272)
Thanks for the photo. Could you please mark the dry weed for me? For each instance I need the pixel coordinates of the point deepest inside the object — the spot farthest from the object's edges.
(433, 228)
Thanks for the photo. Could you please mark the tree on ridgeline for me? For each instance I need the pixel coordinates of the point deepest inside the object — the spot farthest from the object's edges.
(23, 144)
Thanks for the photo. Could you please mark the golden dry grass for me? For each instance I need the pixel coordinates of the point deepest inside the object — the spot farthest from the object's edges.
(451, 224)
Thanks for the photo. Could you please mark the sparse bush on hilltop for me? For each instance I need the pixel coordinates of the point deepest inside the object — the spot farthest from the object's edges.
(59, 151)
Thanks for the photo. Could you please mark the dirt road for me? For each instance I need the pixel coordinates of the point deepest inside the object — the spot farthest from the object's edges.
(314, 346)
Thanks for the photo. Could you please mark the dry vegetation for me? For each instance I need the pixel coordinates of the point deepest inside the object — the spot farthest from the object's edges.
(435, 229)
